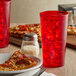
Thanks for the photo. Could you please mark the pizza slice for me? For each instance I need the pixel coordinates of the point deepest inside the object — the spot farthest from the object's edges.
(18, 61)
(20, 30)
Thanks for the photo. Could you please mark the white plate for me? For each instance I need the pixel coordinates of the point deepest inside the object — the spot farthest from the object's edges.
(4, 57)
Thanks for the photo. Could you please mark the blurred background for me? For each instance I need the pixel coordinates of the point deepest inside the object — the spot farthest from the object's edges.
(27, 11)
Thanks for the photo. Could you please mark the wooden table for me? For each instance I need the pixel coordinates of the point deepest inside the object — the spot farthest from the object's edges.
(69, 69)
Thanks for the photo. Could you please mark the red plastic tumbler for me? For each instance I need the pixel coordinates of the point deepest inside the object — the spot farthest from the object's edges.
(54, 33)
(5, 6)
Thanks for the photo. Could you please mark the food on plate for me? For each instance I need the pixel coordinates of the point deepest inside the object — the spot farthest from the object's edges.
(71, 30)
(20, 30)
(17, 61)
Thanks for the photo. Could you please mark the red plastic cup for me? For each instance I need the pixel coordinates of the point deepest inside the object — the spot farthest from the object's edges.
(5, 6)
(54, 33)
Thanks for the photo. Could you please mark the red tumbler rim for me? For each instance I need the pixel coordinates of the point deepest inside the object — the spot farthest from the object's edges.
(54, 13)
(5, 0)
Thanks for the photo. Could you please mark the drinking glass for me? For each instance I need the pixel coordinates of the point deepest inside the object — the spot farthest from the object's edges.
(54, 33)
(5, 6)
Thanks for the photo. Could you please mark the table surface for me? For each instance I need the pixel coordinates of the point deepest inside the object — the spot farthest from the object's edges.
(69, 69)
